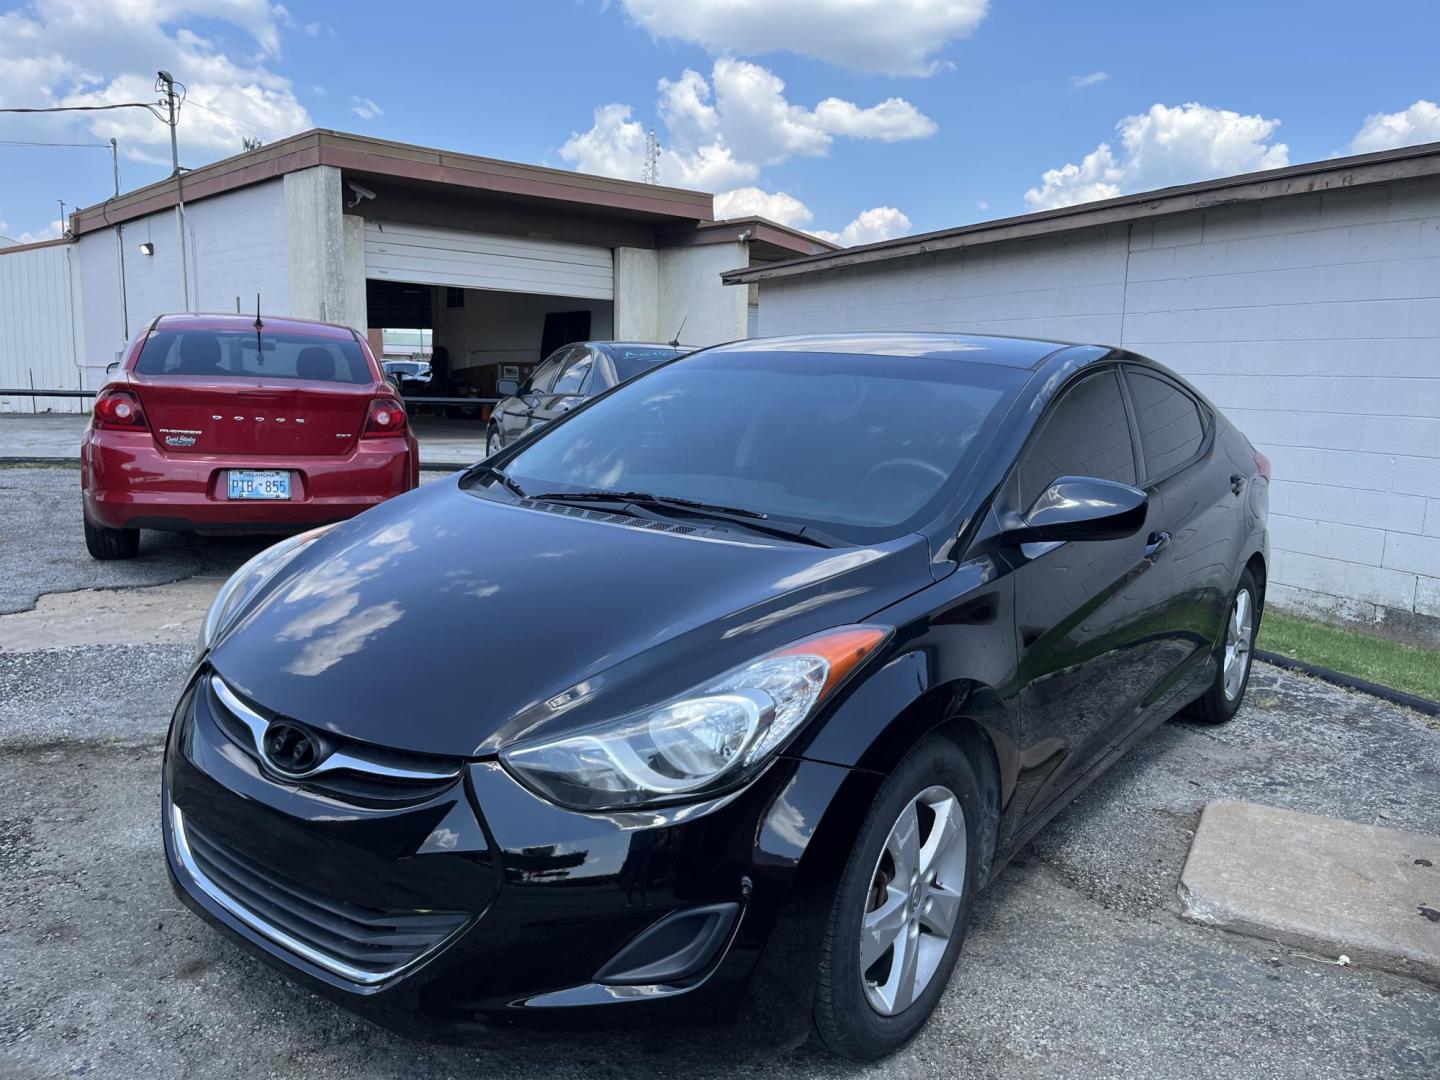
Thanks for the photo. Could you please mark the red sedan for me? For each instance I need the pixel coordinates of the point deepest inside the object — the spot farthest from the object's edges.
(236, 423)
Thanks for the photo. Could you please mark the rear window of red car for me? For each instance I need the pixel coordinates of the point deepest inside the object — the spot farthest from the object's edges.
(244, 354)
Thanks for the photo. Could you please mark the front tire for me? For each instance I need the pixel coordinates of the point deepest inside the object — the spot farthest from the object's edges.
(493, 443)
(903, 905)
(1223, 698)
(103, 543)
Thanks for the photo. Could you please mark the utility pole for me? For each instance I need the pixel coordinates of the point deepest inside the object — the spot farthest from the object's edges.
(120, 249)
(166, 85)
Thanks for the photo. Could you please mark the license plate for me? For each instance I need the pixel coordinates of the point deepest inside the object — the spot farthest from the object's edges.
(259, 484)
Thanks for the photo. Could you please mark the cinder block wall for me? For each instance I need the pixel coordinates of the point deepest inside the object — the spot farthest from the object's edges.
(1313, 321)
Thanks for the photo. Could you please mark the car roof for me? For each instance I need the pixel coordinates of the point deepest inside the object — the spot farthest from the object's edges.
(1014, 352)
(634, 345)
(286, 324)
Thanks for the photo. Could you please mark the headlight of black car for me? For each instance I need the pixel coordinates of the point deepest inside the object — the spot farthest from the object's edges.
(709, 739)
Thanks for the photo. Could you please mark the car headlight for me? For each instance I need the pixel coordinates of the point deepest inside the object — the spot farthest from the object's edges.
(711, 738)
(249, 579)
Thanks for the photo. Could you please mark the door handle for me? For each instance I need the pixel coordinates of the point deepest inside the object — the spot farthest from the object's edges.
(1237, 483)
(1155, 543)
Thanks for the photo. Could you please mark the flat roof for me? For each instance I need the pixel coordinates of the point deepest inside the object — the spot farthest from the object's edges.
(380, 157)
(1360, 170)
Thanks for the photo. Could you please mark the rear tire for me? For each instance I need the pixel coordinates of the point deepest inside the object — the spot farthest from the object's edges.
(864, 1012)
(1224, 696)
(103, 543)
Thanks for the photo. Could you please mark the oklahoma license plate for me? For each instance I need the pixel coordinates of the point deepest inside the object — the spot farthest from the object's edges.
(259, 484)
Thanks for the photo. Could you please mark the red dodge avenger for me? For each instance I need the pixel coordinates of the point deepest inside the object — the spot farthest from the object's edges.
(237, 423)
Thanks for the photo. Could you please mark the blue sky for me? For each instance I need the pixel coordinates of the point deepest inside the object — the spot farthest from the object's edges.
(861, 119)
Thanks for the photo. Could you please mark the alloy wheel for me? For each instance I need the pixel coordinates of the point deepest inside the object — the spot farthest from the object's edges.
(914, 901)
(492, 444)
(1238, 638)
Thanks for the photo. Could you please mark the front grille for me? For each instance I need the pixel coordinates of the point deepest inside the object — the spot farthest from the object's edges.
(364, 945)
(359, 773)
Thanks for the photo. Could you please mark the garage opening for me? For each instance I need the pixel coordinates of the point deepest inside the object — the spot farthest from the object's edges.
(494, 306)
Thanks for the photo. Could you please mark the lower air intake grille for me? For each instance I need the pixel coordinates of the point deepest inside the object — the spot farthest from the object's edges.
(358, 943)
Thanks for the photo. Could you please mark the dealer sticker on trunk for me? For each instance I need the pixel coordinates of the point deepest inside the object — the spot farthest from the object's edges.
(259, 484)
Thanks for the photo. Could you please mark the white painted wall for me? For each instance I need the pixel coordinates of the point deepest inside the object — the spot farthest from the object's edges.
(1312, 321)
(637, 294)
(690, 291)
(40, 341)
(237, 247)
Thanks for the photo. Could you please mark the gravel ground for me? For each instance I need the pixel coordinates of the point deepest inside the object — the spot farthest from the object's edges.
(1077, 965)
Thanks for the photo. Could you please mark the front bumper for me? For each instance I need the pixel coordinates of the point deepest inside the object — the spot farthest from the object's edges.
(129, 482)
(545, 898)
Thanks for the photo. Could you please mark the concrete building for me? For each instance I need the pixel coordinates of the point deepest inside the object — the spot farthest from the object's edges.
(500, 260)
(1304, 301)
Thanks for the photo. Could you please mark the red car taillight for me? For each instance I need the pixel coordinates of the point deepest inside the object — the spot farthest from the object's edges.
(119, 409)
(1263, 464)
(387, 417)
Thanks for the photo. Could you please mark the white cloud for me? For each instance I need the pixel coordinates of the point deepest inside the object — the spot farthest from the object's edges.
(366, 109)
(49, 232)
(90, 52)
(892, 37)
(1162, 147)
(1079, 82)
(871, 227)
(753, 202)
(720, 131)
(1420, 123)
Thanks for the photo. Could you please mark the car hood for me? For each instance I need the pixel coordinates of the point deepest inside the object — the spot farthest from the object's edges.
(445, 622)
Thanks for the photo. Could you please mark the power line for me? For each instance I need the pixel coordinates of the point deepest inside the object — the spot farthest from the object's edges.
(24, 142)
(86, 108)
(251, 124)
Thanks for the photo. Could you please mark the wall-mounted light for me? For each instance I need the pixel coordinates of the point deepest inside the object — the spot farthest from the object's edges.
(147, 248)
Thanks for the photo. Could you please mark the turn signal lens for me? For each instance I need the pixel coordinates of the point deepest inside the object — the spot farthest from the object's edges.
(387, 417)
(119, 409)
(1263, 464)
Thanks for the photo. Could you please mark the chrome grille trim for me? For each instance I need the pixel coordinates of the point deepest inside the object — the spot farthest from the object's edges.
(339, 760)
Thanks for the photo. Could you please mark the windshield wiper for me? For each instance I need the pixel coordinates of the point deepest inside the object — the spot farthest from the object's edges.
(499, 474)
(753, 520)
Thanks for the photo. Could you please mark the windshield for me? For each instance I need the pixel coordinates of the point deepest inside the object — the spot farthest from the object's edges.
(861, 446)
(631, 361)
(243, 354)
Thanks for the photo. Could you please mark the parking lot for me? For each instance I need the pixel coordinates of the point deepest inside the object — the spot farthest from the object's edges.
(1078, 964)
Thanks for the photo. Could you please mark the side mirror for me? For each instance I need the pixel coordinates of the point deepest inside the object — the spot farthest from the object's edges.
(507, 387)
(1080, 508)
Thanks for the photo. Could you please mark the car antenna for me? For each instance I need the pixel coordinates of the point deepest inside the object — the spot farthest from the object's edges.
(259, 325)
(675, 342)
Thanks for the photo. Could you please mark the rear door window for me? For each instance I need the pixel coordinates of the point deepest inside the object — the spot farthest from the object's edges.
(1172, 428)
(209, 354)
(1085, 434)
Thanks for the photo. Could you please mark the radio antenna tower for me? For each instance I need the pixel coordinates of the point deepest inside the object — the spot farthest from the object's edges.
(650, 170)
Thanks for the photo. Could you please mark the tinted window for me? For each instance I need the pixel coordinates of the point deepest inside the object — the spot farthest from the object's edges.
(573, 377)
(545, 374)
(1086, 434)
(241, 354)
(1171, 429)
(630, 362)
(858, 445)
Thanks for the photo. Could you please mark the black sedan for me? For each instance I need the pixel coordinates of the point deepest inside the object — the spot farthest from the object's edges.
(742, 681)
(569, 376)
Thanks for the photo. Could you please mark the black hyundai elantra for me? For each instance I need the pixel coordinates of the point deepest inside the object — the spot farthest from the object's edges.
(719, 699)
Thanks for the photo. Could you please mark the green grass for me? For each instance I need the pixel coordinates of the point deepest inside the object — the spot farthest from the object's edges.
(1400, 667)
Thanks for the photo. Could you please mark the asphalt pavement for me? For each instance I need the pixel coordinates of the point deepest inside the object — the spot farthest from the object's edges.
(1078, 964)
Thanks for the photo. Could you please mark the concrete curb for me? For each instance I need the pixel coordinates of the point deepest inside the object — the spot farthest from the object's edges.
(1351, 682)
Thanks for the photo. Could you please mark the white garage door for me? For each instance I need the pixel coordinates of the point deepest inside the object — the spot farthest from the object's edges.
(467, 260)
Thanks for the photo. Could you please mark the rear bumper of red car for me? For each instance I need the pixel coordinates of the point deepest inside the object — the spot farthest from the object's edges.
(128, 482)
